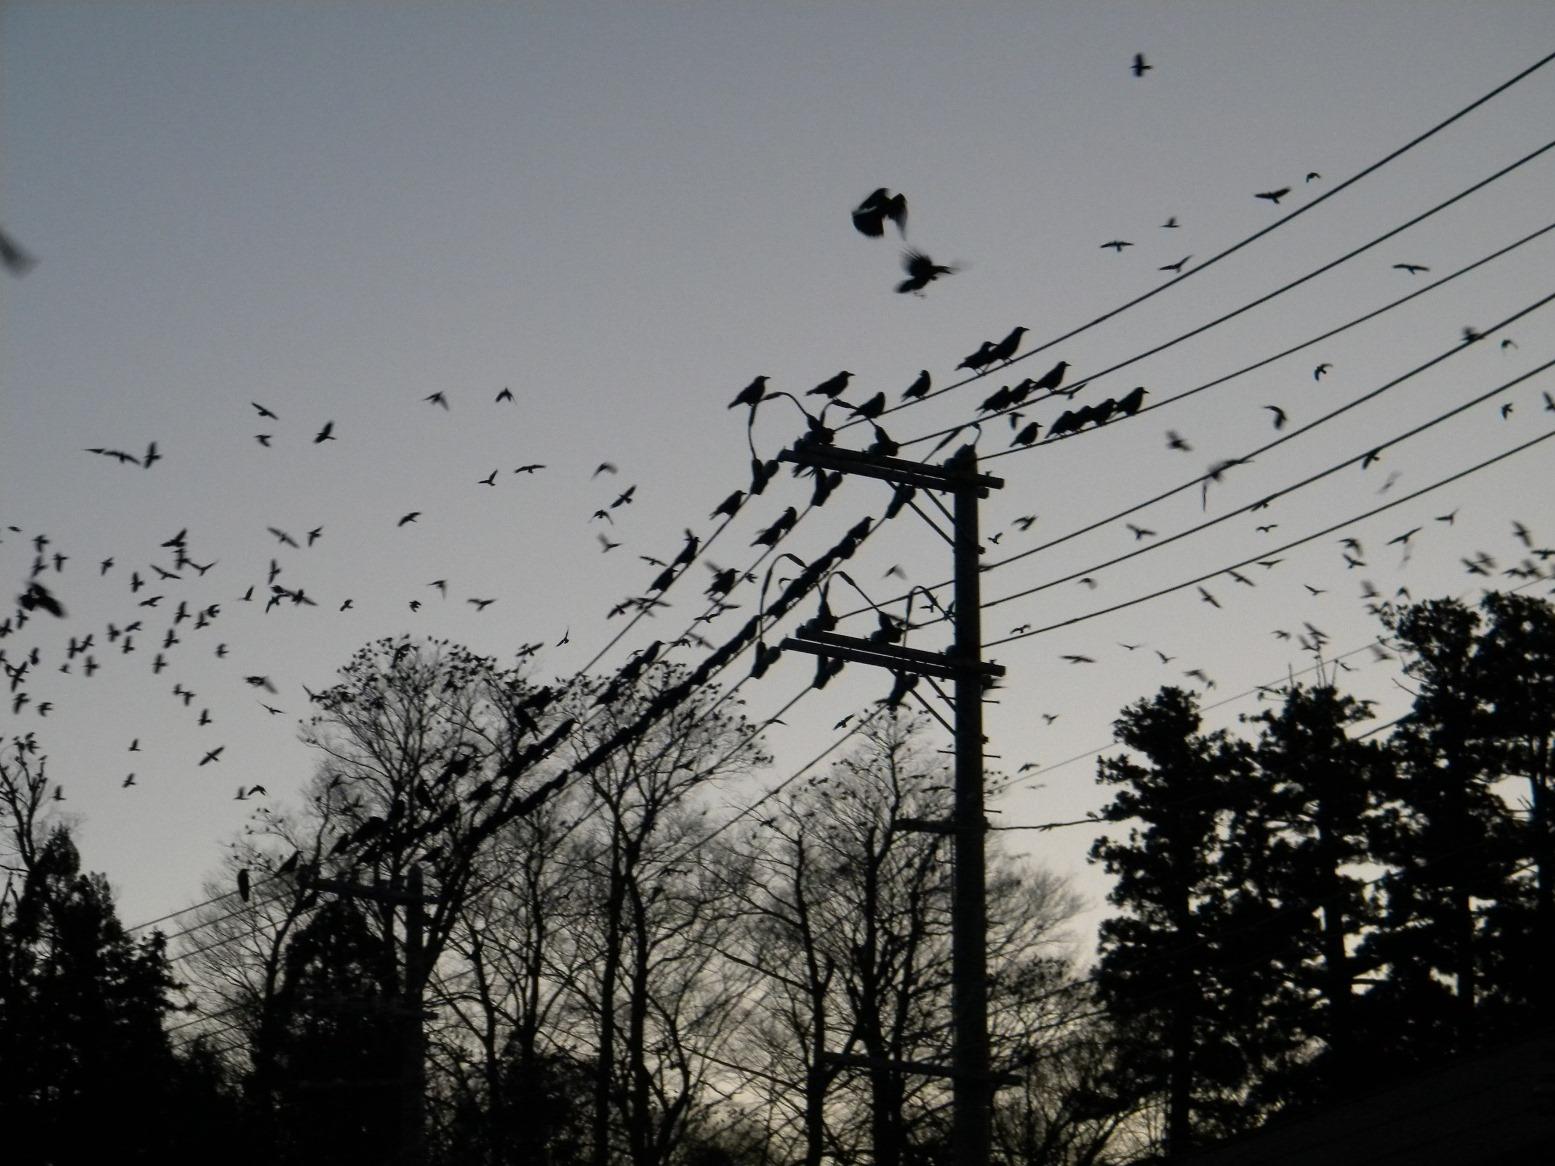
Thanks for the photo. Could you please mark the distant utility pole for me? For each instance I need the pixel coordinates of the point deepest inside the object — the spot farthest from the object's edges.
(412, 1069)
(971, 1075)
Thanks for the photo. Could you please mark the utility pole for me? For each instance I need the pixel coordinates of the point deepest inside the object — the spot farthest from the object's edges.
(412, 1069)
(972, 1080)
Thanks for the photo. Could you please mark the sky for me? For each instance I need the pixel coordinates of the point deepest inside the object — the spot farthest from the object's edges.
(622, 213)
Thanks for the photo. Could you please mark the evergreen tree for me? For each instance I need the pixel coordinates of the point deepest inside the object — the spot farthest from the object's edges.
(1163, 972)
(83, 1053)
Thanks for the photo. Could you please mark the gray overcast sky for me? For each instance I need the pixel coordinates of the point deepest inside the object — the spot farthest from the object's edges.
(624, 212)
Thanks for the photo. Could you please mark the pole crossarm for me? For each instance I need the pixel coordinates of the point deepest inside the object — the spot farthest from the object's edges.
(891, 656)
(950, 478)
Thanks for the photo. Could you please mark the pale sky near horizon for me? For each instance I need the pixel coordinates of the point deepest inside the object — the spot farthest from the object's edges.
(624, 212)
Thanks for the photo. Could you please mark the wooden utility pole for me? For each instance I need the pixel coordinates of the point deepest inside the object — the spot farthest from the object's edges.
(972, 1080)
(412, 1069)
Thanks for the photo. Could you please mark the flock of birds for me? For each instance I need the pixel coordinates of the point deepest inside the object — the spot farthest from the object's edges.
(169, 609)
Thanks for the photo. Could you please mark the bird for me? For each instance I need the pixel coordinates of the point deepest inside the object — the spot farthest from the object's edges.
(1117, 245)
(1279, 416)
(870, 216)
(1312, 176)
(605, 544)
(921, 271)
(780, 527)
(489, 480)
(751, 394)
(1130, 402)
(213, 755)
(529, 469)
(604, 468)
(1175, 440)
(1178, 266)
(1317, 373)
(832, 386)
(1051, 379)
(1139, 68)
(918, 388)
(871, 408)
(437, 399)
(325, 434)
(411, 517)
(480, 604)
(1076, 658)
(1411, 268)
(1208, 598)
(505, 395)
(1139, 532)
(1273, 196)
(263, 439)
(977, 360)
(1027, 435)
(1171, 224)
(1005, 349)
(729, 507)
(263, 412)
(284, 538)
(17, 261)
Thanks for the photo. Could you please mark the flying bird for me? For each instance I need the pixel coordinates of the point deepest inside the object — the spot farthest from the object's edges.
(1117, 245)
(1411, 268)
(325, 434)
(505, 395)
(921, 271)
(870, 216)
(1320, 370)
(1178, 266)
(437, 399)
(1273, 196)
(16, 260)
(1171, 224)
(263, 412)
(1139, 68)
(411, 517)
(1279, 416)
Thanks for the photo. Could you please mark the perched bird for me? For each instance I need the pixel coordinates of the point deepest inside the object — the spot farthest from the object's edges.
(783, 524)
(832, 386)
(870, 216)
(871, 408)
(1005, 349)
(1051, 379)
(918, 388)
(1131, 402)
(979, 359)
(730, 506)
(1139, 68)
(1273, 196)
(921, 271)
(751, 394)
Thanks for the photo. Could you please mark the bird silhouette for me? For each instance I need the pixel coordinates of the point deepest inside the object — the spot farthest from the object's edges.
(1117, 245)
(437, 399)
(505, 395)
(411, 517)
(1139, 68)
(1273, 196)
(1005, 349)
(1411, 268)
(1279, 416)
(870, 216)
(778, 529)
(919, 387)
(1051, 379)
(1178, 266)
(831, 387)
(751, 394)
(263, 412)
(921, 271)
(325, 434)
(17, 261)
(1319, 372)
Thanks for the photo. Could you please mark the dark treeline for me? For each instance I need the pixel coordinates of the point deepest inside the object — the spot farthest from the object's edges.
(609, 969)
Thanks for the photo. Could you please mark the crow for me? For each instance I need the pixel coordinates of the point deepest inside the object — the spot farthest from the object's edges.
(751, 394)
(921, 271)
(1273, 196)
(870, 216)
(831, 387)
(1177, 267)
(1117, 245)
(1139, 68)
(918, 388)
